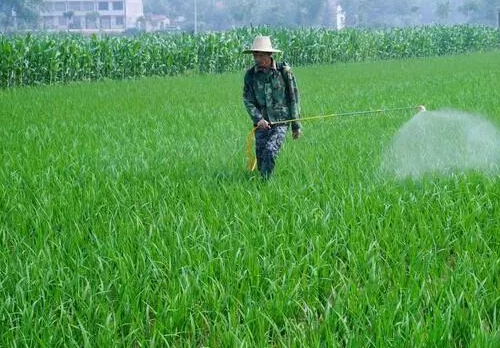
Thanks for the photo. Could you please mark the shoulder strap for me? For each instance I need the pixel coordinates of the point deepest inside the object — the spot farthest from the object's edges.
(282, 67)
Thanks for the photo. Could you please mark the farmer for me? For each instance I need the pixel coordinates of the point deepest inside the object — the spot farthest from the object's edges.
(270, 95)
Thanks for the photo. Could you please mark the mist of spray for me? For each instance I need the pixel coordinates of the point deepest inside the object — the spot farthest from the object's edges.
(443, 142)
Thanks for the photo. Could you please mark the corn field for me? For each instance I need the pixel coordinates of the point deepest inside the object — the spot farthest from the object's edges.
(48, 59)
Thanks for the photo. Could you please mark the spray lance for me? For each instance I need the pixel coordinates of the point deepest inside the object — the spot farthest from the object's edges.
(252, 161)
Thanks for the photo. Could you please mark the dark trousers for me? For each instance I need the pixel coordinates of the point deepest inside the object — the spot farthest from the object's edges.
(267, 147)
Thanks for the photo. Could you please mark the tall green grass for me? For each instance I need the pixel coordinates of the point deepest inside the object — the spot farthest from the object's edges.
(127, 217)
(35, 60)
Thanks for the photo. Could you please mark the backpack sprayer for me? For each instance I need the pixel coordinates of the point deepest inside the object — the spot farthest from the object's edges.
(252, 161)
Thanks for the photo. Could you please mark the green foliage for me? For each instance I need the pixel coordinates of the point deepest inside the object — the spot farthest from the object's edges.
(26, 12)
(32, 60)
(443, 9)
(128, 218)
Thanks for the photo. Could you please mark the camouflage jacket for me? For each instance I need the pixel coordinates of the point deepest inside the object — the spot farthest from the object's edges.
(272, 94)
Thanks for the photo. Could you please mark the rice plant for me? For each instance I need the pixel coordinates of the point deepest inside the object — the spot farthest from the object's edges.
(128, 217)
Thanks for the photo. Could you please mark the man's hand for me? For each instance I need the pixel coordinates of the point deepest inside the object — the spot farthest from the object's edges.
(263, 124)
(296, 134)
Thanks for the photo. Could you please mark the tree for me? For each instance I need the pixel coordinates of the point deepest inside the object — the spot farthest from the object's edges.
(487, 13)
(92, 20)
(223, 14)
(22, 11)
(468, 8)
(68, 15)
(309, 12)
(443, 10)
(141, 23)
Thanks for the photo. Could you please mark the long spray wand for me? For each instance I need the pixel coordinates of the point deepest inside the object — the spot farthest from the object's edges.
(252, 161)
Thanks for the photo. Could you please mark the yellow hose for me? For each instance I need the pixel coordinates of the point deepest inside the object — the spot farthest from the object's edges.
(252, 160)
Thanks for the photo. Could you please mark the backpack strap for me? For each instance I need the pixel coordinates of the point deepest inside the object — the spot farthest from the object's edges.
(284, 68)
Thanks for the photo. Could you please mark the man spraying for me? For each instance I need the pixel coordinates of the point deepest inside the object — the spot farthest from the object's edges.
(270, 96)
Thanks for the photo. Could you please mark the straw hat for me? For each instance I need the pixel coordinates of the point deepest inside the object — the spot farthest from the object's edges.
(262, 44)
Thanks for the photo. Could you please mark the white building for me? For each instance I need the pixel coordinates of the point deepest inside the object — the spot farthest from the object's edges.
(340, 18)
(91, 15)
(337, 15)
(152, 22)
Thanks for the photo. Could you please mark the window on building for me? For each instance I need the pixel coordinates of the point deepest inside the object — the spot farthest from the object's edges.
(103, 6)
(74, 6)
(106, 22)
(91, 23)
(62, 21)
(60, 6)
(88, 6)
(119, 20)
(117, 5)
(77, 22)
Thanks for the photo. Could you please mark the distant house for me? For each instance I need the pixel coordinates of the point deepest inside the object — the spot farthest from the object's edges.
(91, 15)
(153, 22)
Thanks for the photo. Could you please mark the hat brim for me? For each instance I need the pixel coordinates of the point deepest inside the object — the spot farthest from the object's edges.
(263, 51)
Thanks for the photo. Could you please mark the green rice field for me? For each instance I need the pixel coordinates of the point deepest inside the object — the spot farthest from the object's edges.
(128, 217)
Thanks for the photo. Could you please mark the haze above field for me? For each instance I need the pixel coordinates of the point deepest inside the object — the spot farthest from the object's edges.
(226, 14)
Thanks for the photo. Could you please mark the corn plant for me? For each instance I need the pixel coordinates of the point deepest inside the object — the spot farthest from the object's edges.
(47, 59)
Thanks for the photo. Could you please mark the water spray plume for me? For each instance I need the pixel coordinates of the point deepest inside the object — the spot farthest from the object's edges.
(440, 143)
